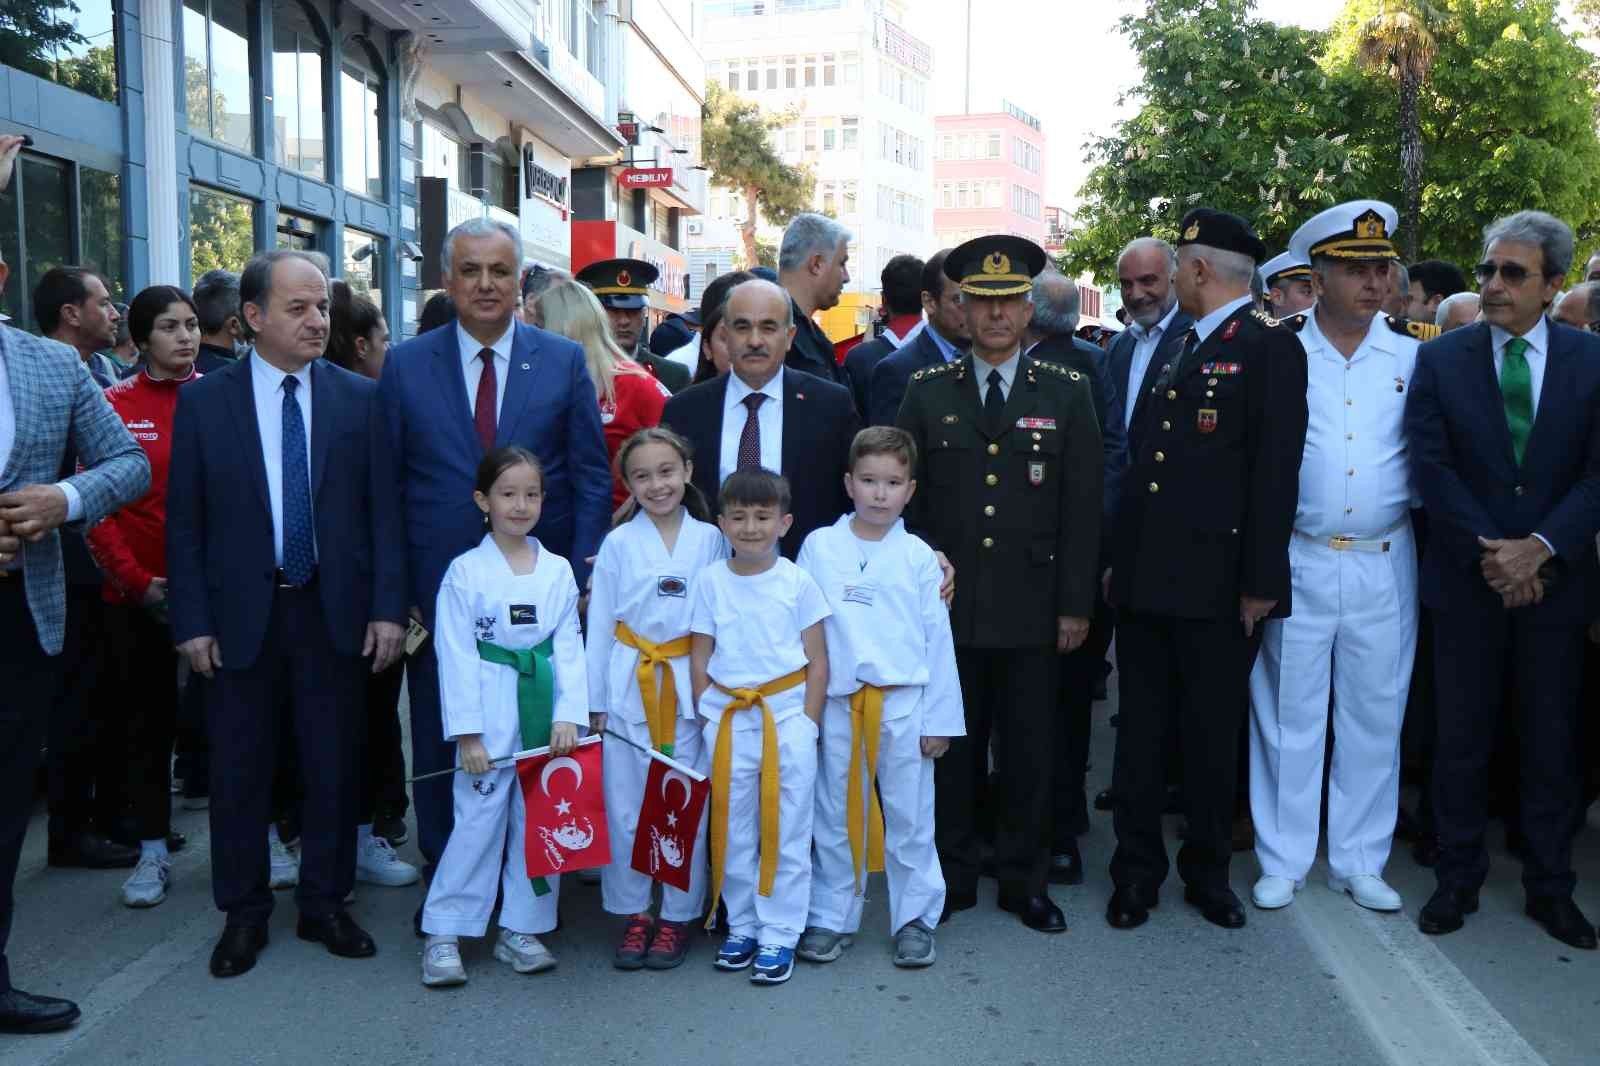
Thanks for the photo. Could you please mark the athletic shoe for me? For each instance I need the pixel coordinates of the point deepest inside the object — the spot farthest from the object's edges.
(377, 864)
(523, 952)
(441, 964)
(913, 946)
(147, 885)
(774, 965)
(670, 945)
(635, 944)
(736, 952)
(822, 945)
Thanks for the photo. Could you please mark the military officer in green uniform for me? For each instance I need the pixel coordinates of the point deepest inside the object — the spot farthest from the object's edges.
(623, 286)
(1009, 481)
(1200, 557)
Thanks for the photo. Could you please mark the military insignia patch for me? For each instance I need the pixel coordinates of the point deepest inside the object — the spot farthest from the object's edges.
(1231, 330)
(1266, 319)
(951, 420)
(672, 586)
(1193, 232)
(1221, 369)
(624, 278)
(1205, 420)
(1423, 331)
(1036, 423)
(998, 263)
(1036, 473)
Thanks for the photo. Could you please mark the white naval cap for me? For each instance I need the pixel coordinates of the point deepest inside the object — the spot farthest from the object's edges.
(1360, 229)
(1286, 265)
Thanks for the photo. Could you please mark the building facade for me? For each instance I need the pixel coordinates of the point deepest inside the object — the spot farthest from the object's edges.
(989, 176)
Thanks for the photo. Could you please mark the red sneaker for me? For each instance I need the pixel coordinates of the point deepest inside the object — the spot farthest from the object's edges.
(669, 947)
(635, 943)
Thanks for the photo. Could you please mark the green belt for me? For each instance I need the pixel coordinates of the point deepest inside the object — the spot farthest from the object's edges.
(536, 700)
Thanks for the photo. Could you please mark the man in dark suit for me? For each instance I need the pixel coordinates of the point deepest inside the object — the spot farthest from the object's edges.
(286, 584)
(767, 414)
(623, 287)
(449, 397)
(1200, 557)
(1504, 421)
(812, 270)
(216, 304)
(1156, 324)
(902, 304)
(944, 338)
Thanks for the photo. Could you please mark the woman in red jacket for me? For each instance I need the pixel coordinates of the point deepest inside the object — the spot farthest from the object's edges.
(130, 547)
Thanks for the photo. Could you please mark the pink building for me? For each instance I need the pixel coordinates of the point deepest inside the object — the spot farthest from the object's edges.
(988, 176)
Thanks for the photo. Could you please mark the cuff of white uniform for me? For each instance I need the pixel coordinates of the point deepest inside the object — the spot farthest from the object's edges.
(75, 501)
(1551, 547)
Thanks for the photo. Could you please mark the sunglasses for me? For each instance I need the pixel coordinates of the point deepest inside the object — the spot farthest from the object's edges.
(1513, 273)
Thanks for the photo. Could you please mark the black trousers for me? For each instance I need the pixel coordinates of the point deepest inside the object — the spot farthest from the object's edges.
(193, 746)
(143, 668)
(299, 682)
(85, 769)
(1476, 656)
(32, 682)
(382, 783)
(1010, 697)
(1190, 676)
(1080, 670)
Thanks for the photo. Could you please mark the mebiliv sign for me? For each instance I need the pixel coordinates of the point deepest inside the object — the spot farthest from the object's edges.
(646, 178)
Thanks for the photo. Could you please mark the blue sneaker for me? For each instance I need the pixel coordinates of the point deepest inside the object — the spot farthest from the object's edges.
(736, 952)
(773, 965)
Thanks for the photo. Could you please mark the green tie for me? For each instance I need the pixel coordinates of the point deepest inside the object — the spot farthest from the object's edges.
(1516, 386)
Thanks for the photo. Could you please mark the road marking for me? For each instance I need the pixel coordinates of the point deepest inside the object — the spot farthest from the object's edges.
(1419, 1008)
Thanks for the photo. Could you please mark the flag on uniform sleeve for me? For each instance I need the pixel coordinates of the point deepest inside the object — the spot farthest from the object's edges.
(566, 812)
(669, 824)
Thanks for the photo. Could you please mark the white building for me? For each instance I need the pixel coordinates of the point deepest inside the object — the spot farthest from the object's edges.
(857, 80)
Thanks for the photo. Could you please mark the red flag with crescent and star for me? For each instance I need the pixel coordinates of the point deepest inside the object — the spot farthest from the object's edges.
(566, 812)
(669, 824)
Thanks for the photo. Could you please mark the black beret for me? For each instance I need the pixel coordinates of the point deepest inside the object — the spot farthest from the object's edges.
(1219, 229)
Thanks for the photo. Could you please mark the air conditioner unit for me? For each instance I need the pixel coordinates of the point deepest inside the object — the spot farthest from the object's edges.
(695, 227)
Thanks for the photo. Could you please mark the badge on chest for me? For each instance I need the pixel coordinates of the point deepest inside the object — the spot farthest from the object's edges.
(524, 614)
(668, 585)
(1205, 420)
(1036, 472)
(862, 592)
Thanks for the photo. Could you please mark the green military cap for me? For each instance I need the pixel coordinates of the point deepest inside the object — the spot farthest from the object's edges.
(998, 265)
(622, 284)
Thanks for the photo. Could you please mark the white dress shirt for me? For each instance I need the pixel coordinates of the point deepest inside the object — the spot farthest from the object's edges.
(266, 381)
(769, 417)
(1538, 339)
(1145, 343)
(1355, 477)
(1008, 373)
(472, 366)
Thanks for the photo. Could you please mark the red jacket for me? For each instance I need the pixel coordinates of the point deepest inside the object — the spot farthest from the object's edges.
(640, 400)
(130, 545)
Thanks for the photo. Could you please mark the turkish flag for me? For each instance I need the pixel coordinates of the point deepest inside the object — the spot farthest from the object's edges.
(566, 812)
(669, 823)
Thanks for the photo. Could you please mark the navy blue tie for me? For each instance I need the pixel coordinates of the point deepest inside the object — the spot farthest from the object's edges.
(299, 551)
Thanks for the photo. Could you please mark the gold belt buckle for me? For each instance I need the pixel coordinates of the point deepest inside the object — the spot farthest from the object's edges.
(1340, 544)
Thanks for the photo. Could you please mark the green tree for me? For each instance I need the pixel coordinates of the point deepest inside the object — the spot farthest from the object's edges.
(735, 142)
(1398, 42)
(32, 34)
(1234, 114)
(221, 233)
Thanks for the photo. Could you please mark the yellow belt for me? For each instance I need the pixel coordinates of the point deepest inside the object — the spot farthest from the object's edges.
(866, 727)
(743, 699)
(660, 704)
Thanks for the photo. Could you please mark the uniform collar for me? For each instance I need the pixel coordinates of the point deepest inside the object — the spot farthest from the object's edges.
(1204, 326)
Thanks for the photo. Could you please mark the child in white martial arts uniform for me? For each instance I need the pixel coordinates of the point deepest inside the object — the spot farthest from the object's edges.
(507, 594)
(639, 603)
(760, 668)
(893, 693)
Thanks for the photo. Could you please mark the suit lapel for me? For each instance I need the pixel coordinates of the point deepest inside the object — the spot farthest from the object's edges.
(451, 387)
(794, 411)
(524, 369)
(322, 408)
(708, 471)
(1559, 384)
(242, 397)
(1489, 386)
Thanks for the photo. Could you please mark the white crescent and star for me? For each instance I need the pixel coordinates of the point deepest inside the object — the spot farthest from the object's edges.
(562, 763)
(673, 775)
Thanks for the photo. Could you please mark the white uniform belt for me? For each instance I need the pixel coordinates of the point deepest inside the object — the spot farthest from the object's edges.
(1379, 544)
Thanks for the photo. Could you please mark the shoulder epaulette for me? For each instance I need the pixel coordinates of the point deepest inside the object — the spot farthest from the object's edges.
(1265, 319)
(1294, 322)
(935, 371)
(1057, 369)
(1422, 331)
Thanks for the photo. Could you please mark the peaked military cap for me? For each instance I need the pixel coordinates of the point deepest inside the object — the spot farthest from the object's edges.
(998, 265)
(1284, 267)
(1360, 229)
(623, 284)
(1219, 229)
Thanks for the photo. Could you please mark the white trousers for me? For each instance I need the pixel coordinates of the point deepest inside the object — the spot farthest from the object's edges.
(624, 890)
(905, 789)
(780, 918)
(1354, 630)
(485, 851)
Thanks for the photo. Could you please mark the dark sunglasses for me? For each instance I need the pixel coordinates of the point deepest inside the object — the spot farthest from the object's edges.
(1513, 273)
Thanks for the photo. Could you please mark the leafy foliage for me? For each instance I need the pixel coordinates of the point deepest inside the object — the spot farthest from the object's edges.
(735, 142)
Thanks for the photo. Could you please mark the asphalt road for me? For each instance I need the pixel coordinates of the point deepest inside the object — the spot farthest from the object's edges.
(1319, 982)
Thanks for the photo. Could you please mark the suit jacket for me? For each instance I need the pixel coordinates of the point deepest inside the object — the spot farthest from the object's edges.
(1465, 470)
(811, 351)
(859, 363)
(549, 408)
(59, 409)
(674, 377)
(221, 568)
(819, 422)
(1120, 358)
(1090, 361)
(210, 358)
(893, 373)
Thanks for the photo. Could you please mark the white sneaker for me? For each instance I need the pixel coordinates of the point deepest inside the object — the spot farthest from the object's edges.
(147, 885)
(523, 952)
(441, 964)
(377, 864)
(284, 865)
(1271, 892)
(1369, 890)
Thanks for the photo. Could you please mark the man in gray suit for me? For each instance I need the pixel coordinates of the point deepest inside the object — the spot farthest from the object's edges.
(48, 404)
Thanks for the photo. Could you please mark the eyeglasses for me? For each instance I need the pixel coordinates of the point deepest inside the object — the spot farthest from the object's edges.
(1513, 273)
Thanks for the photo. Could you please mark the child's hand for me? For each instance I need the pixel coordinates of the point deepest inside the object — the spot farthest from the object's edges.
(597, 722)
(471, 753)
(563, 738)
(933, 747)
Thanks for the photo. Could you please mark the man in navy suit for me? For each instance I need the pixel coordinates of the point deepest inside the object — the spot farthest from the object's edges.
(449, 397)
(285, 578)
(902, 307)
(1156, 324)
(1504, 422)
(944, 338)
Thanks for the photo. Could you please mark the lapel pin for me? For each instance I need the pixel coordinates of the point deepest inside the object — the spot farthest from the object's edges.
(525, 366)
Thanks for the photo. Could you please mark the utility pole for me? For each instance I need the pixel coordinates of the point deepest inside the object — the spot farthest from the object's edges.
(966, 101)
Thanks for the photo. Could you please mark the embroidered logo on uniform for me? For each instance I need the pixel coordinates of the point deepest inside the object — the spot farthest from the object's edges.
(862, 593)
(672, 586)
(483, 786)
(1230, 330)
(484, 627)
(1036, 423)
(524, 614)
(950, 420)
(1036, 473)
(1220, 369)
(1205, 420)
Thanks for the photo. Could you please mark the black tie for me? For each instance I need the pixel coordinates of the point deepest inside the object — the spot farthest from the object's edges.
(993, 400)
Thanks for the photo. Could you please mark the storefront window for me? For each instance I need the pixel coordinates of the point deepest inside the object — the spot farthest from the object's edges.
(70, 43)
(35, 230)
(100, 225)
(219, 87)
(299, 58)
(298, 232)
(222, 231)
(362, 266)
(362, 126)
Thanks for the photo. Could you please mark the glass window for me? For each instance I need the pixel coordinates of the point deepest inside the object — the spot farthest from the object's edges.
(100, 225)
(993, 151)
(830, 203)
(791, 140)
(852, 68)
(791, 68)
(361, 127)
(752, 78)
(851, 130)
(35, 229)
(827, 70)
(771, 69)
(962, 194)
(298, 232)
(69, 43)
(733, 74)
(362, 266)
(222, 231)
(849, 197)
(811, 135)
(811, 72)
(593, 54)
(829, 138)
(298, 59)
(441, 155)
(219, 87)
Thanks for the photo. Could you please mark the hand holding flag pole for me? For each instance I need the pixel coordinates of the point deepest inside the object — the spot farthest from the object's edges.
(503, 760)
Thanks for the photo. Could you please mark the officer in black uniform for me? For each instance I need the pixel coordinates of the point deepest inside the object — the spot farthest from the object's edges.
(1200, 557)
(1009, 482)
(623, 286)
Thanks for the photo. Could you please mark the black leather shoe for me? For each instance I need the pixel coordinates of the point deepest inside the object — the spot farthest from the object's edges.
(1066, 865)
(1426, 850)
(957, 901)
(1563, 920)
(1105, 799)
(22, 1013)
(1217, 907)
(416, 920)
(91, 851)
(1446, 910)
(339, 933)
(236, 951)
(1036, 912)
(1130, 906)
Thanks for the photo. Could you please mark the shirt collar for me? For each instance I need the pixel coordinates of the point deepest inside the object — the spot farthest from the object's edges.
(271, 377)
(738, 390)
(948, 351)
(470, 347)
(1204, 326)
(1377, 338)
(1008, 369)
(1538, 337)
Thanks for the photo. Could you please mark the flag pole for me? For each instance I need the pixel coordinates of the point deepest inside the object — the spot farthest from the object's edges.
(514, 757)
(654, 754)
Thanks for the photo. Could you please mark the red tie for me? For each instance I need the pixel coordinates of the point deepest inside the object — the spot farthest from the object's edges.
(750, 436)
(483, 413)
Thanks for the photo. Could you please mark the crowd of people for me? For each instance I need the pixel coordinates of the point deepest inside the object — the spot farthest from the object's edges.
(868, 593)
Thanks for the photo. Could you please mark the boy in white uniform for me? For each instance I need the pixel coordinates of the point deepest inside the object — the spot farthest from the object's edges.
(893, 692)
(760, 672)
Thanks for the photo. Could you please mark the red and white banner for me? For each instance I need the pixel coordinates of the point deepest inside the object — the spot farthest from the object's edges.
(566, 812)
(669, 824)
(646, 178)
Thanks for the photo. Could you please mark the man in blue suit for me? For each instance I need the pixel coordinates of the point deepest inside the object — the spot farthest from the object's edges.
(943, 339)
(285, 577)
(1156, 324)
(1504, 425)
(449, 397)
